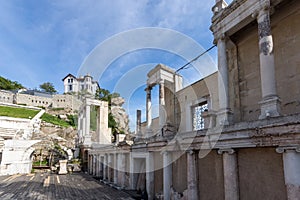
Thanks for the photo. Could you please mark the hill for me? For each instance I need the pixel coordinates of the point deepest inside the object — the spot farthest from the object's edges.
(6, 84)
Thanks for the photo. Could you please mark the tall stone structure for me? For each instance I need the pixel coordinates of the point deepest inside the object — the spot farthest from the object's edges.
(237, 131)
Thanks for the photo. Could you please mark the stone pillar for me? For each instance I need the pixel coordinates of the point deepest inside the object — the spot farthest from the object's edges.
(148, 108)
(94, 165)
(87, 136)
(138, 122)
(102, 173)
(270, 104)
(167, 177)
(192, 175)
(122, 169)
(97, 165)
(230, 170)
(105, 168)
(90, 163)
(162, 114)
(224, 113)
(150, 175)
(115, 168)
(131, 176)
(109, 167)
(291, 164)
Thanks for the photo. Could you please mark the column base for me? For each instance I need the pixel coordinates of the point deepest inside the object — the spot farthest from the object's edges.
(270, 107)
(224, 117)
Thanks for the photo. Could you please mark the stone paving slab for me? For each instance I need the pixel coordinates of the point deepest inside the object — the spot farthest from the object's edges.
(47, 186)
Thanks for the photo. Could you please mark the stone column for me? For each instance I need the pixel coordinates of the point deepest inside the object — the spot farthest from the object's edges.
(150, 175)
(105, 168)
(122, 169)
(94, 165)
(115, 168)
(97, 165)
(131, 176)
(148, 108)
(167, 177)
(101, 171)
(224, 113)
(291, 164)
(162, 117)
(87, 136)
(270, 104)
(138, 122)
(90, 163)
(109, 167)
(230, 170)
(192, 175)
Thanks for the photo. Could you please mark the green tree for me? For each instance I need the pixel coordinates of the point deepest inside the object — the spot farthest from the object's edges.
(105, 95)
(6, 84)
(48, 87)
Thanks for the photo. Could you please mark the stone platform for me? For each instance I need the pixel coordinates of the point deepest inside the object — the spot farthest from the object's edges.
(52, 186)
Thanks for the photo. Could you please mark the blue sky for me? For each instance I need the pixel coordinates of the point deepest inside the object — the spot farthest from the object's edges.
(43, 41)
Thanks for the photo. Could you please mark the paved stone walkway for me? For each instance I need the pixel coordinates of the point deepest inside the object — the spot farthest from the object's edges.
(52, 186)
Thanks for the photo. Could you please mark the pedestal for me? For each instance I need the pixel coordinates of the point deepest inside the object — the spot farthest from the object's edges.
(63, 167)
(270, 107)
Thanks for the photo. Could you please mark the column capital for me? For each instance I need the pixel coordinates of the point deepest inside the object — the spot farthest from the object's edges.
(284, 149)
(220, 37)
(228, 151)
(191, 151)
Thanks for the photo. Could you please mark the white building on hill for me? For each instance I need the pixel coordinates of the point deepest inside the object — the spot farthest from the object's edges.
(83, 83)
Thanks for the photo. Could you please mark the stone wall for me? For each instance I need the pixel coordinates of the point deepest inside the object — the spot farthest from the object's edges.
(6, 96)
(57, 101)
(243, 61)
(261, 174)
(286, 31)
(31, 100)
(204, 90)
(211, 177)
(66, 101)
(179, 166)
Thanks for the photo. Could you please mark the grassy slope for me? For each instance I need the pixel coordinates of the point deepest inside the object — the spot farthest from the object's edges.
(28, 114)
(54, 120)
(17, 112)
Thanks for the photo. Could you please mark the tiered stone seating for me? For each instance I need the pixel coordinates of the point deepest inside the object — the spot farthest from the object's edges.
(7, 133)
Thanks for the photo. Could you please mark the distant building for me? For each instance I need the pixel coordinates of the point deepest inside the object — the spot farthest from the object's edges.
(81, 84)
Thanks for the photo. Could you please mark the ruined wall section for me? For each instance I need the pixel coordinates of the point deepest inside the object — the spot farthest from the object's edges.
(286, 32)
(249, 74)
(244, 66)
(204, 90)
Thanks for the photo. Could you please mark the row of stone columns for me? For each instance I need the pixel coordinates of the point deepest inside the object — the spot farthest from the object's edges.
(109, 167)
(270, 104)
(103, 165)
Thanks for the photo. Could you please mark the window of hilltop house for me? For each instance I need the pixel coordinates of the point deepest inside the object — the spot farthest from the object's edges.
(70, 87)
(71, 80)
(197, 110)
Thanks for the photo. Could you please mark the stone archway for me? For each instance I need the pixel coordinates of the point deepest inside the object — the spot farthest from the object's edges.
(16, 157)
